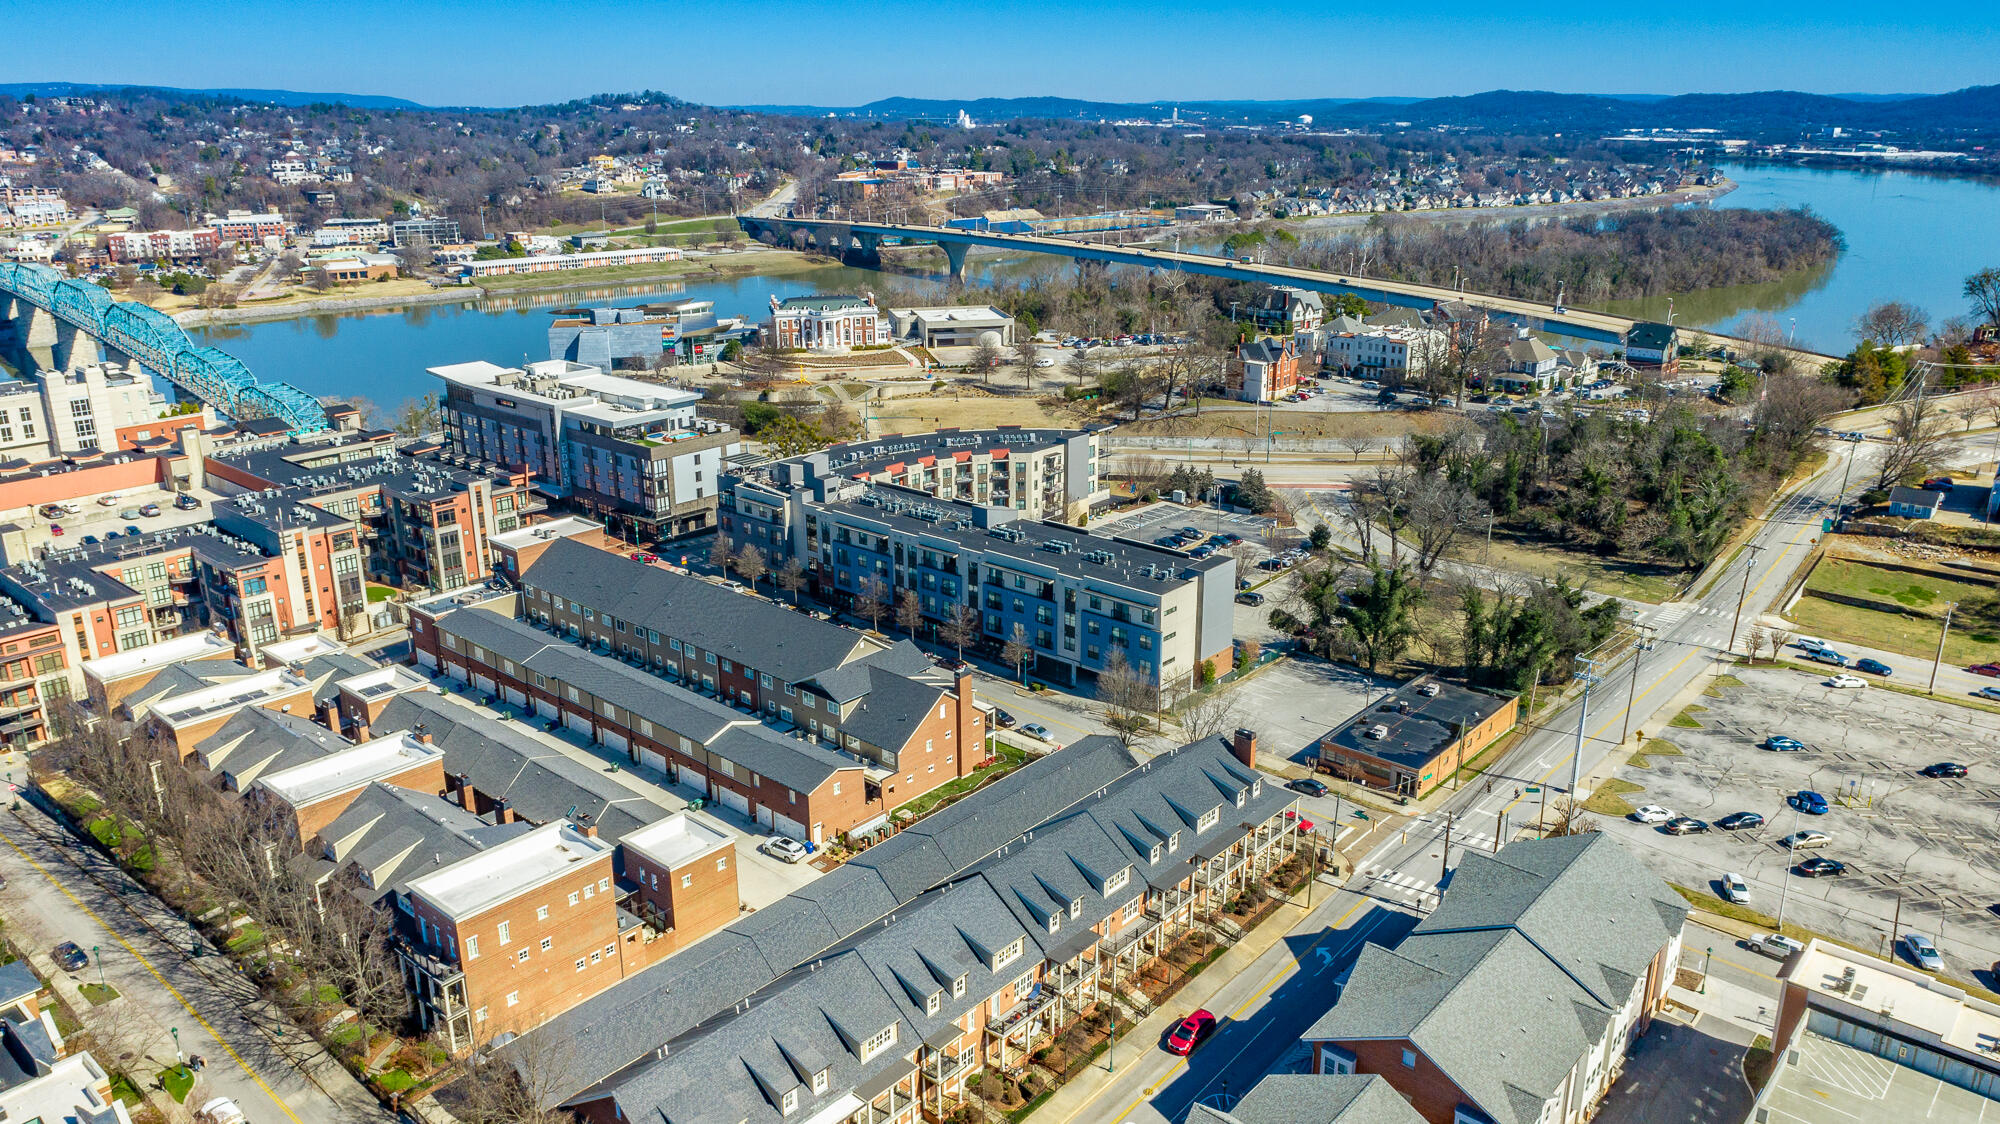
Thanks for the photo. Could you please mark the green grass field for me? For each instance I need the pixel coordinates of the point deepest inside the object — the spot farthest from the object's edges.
(1609, 799)
(1916, 637)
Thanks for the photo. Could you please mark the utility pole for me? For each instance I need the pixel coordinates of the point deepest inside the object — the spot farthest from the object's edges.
(1791, 857)
(1749, 564)
(1444, 867)
(1542, 812)
(1587, 671)
(1840, 501)
(1949, 606)
(1632, 696)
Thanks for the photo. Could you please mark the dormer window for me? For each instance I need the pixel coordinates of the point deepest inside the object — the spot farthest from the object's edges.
(1256, 789)
(1153, 856)
(1208, 819)
(958, 988)
(821, 1080)
(935, 1002)
(1009, 954)
(1173, 842)
(1118, 880)
(1076, 909)
(789, 1103)
(884, 1038)
(1055, 921)
(1240, 793)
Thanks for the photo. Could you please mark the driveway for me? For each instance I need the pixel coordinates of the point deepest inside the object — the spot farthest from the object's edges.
(1682, 1075)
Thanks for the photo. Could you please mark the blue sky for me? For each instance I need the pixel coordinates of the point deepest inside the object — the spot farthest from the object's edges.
(459, 52)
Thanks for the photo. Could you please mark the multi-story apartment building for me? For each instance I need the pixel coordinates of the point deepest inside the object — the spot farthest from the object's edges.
(630, 453)
(24, 427)
(427, 229)
(600, 337)
(1078, 601)
(171, 245)
(1395, 352)
(243, 226)
(86, 405)
(1263, 370)
(1040, 473)
(1507, 936)
(1285, 311)
(351, 232)
(961, 944)
(34, 674)
(827, 323)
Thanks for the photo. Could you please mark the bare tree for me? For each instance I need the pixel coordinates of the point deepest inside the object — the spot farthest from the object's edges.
(791, 577)
(750, 565)
(1016, 651)
(1792, 406)
(1435, 510)
(522, 1082)
(1916, 438)
(985, 356)
(722, 552)
(909, 613)
(959, 628)
(1129, 699)
(1893, 324)
(872, 599)
(1567, 817)
(1025, 353)
(1207, 715)
(1356, 444)
(1755, 640)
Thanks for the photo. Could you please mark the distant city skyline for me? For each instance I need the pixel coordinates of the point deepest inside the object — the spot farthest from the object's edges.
(756, 52)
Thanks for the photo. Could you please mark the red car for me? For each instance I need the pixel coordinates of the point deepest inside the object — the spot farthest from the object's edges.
(1184, 1038)
(644, 556)
(1992, 669)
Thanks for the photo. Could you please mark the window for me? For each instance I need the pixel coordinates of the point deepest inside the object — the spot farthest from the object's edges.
(572, 897)
(506, 932)
(604, 885)
(821, 1080)
(548, 943)
(687, 881)
(789, 1103)
(521, 957)
(1009, 954)
(1409, 1059)
(542, 913)
(1117, 881)
(836, 788)
(580, 962)
(513, 999)
(932, 1004)
(881, 1041)
(1055, 922)
(472, 948)
(958, 987)
(1208, 819)
(1134, 907)
(479, 1016)
(722, 862)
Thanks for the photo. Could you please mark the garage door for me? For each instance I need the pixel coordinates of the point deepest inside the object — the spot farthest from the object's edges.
(612, 738)
(786, 826)
(734, 800)
(485, 683)
(652, 760)
(578, 722)
(427, 660)
(763, 815)
(455, 671)
(546, 709)
(514, 695)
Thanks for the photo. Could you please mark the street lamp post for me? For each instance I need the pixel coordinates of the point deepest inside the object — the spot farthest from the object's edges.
(176, 1032)
(1785, 879)
(1939, 659)
(98, 957)
(1749, 564)
(1632, 696)
(1588, 673)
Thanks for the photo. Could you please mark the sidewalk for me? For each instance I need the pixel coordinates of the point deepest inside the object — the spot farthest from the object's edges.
(1074, 1098)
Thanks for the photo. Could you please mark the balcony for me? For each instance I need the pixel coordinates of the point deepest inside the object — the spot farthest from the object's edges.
(942, 1068)
(899, 1102)
(1005, 1022)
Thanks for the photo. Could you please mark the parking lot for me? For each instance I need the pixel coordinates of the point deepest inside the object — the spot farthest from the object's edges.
(1148, 524)
(100, 521)
(1926, 843)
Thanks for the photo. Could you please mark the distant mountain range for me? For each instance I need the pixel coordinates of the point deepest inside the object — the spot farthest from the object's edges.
(1974, 110)
(269, 97)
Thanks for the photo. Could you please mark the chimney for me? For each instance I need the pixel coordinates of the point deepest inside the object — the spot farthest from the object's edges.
(1243, 743)
(971, 749)
(589, 830)
(465, 799)
(424, 738)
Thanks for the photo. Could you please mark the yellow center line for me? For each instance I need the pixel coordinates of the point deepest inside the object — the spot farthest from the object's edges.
(1244, 1006)
(148, 965)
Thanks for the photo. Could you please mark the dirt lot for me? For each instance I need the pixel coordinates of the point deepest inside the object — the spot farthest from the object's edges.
(1242, 421)
(1904, 837)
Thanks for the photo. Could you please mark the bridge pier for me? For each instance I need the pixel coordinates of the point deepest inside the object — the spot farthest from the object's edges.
(954, 256)
(74, 347)
(863, 250)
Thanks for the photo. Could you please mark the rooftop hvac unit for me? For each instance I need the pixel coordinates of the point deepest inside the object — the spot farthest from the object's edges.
(1376, 732)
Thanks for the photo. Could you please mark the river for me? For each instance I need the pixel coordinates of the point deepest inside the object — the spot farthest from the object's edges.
(1910, 236)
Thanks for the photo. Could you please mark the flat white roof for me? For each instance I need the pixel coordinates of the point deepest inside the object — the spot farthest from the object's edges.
(562, 528)
(232, 695)
(137, 661)
(345, 770)
(946, 314)
(294, 652)
(1898, 994)
(676, 841)
(501, 873)
(383, 682)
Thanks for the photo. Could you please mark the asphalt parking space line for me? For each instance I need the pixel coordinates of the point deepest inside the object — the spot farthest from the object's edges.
(148, 965)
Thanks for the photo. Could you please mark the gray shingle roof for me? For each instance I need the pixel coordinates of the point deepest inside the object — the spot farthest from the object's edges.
(256, 741)
(396, 835)
(749, 630)
(17, 979)
(1314, 1098)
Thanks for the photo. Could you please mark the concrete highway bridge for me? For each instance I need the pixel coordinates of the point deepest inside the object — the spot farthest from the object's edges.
(44, 312)
(862, 241)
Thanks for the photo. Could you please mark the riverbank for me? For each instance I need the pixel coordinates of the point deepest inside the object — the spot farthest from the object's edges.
(711, 266)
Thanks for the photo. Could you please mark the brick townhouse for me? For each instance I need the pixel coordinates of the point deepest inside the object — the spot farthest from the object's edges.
(793, 786)
(1562, 948)
(312, 794)
(962, 943)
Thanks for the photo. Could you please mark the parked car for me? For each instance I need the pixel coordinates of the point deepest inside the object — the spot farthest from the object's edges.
(1036, 729)
(785, 849)
(1307, 785)
(50, 511)
(56, 529)
(1003, 719)
(1827, 655)
(133, 529)
(1944, 769)
(129, 513)
(1777, 945)
(1940, 484)
(1271, 564)
(221, 1110)
(644, 556)
(1249, 597)
(1808, 643)
(70, 957)
(1783, 744)
(1821, 867)
(107, 501)
(1922, 952)
(1735, 889)
(1808, 801)
(90, 540)
(1652, 813)
(1740, 821)
(1807, 838)
(1874, 667)
(1845, 682)
(1685, 825)
(1188, 1034)
(186, 502)
(150, 510)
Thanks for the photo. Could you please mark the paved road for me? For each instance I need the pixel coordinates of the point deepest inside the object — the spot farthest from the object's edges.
(59, 890)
